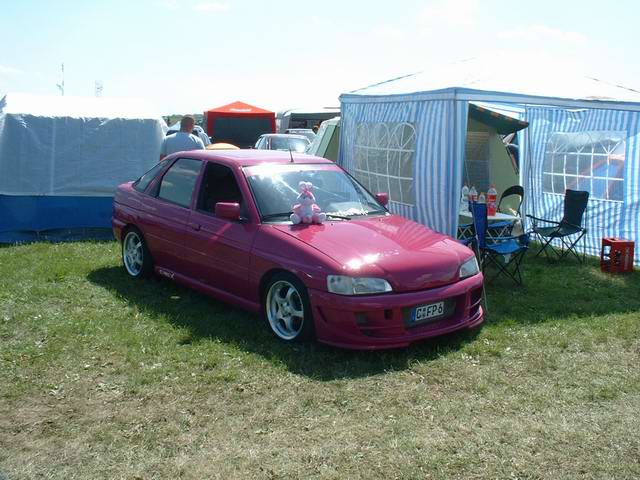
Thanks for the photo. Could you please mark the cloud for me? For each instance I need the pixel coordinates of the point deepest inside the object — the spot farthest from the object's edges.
(216, 7)
(388, 33)
(539, 32)
(171, 4)
(444, 13)
(7, 70)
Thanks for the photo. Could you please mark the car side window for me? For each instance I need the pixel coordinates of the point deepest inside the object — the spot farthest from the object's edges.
(178, 183)
(219, 185)
(143, 182)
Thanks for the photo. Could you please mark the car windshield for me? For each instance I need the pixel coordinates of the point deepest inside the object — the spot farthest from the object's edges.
(289, 143)
(276, 190)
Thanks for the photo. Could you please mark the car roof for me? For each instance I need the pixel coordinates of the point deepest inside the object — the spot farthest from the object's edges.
(250, 157)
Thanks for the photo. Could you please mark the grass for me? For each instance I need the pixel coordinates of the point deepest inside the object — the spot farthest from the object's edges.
(106, 377)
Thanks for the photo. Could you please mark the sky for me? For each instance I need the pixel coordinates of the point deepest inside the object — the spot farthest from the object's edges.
(189, 56)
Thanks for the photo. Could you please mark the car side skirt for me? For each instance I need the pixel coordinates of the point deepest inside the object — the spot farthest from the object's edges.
(208, 290)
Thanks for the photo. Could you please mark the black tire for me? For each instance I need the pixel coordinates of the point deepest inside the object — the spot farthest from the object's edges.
(275, 312)
(142, 264)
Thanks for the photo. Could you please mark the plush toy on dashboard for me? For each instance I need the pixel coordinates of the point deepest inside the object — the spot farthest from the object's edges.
(306, 210)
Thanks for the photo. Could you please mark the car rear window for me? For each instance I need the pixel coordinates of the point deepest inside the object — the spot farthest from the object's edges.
(143, 182)
(178, 183)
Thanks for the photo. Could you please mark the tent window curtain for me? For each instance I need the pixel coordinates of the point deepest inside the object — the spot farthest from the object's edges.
(384, 156)
(592, 161)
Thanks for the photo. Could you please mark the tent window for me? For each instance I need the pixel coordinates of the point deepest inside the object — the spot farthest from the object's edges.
(591, 161)
(476, 161)
(384, 159)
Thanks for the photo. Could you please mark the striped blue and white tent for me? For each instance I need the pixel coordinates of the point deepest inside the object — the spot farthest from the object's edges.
(407, 135)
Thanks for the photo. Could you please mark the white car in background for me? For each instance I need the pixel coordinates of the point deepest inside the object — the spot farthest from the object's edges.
(282, 141)
(307, 132)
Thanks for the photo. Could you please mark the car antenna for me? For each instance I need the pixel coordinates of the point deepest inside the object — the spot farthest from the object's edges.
(290, 154)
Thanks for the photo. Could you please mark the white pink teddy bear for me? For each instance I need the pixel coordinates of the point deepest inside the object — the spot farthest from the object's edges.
(306, 210)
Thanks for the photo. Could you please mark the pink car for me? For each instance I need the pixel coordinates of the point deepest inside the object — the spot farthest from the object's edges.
(218, 221)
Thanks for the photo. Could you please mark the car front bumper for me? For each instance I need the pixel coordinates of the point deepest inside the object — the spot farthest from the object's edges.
(382, 321)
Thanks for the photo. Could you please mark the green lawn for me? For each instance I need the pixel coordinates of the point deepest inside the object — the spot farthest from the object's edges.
(106, 377)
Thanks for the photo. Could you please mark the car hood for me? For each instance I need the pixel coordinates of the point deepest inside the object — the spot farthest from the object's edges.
(409, 255)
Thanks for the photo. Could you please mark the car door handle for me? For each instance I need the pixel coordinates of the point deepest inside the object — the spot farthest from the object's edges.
(195, 226)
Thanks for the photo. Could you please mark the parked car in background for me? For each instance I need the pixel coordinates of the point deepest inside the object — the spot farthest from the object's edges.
(307, 132)
(282, 141)
(219, 222)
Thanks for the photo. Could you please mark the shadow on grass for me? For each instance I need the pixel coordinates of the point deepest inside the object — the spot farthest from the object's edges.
(552, 291)
(207, 318)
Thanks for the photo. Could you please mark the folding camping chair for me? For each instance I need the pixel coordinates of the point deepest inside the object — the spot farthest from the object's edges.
(575, 205)
(491, 250)
(514, 190)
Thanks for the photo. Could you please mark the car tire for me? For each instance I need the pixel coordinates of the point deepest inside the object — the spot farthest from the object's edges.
(135, 254)
(286, 308)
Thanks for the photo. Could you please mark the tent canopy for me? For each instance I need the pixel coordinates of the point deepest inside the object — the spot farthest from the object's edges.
(240, 109)
(504, 124)
(239, 123)
(497, 80)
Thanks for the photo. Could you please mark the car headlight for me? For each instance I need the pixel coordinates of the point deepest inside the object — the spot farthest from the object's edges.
(345, 285)
(469, 268)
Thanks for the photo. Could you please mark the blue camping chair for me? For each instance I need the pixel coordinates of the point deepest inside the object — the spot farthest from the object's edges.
(506, 253)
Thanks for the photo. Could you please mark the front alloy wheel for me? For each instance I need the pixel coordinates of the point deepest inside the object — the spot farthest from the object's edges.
(286, 308)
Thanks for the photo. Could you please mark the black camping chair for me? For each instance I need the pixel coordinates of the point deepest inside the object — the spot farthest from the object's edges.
(514, 190)
(575, 205)
(506, 253)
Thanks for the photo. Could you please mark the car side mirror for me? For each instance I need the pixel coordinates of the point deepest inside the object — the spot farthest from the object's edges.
(382, 198)
(230, 211)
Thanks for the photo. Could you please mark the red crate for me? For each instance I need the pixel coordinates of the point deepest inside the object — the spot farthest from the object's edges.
(616, 255)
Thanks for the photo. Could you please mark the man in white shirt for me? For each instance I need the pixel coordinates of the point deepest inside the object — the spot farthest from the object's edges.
(183, 140)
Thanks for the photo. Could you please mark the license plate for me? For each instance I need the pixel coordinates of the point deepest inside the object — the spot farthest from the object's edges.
(424, 312)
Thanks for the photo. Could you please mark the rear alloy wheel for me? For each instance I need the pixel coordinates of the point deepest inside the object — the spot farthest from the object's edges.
(135, 255)
(286, 308)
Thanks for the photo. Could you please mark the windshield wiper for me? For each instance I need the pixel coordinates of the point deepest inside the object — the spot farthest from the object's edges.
(341, 217)
(287, 214)
(375, 212)
(275, 215)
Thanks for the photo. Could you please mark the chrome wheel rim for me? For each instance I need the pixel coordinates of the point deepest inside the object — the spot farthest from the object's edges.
(132, 254)
(285, 310)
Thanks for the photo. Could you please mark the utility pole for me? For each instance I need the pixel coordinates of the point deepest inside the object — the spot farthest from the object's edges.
(61, 84)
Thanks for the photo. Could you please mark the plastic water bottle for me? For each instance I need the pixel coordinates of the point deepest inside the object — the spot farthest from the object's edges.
(482, 198)
(464, 199)
(473, 194)
(492, 197)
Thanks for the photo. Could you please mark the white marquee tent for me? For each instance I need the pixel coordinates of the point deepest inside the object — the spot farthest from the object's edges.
(62, 157)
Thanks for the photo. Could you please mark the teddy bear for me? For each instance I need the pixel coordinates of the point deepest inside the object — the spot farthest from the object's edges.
(306, 210)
